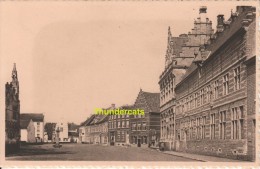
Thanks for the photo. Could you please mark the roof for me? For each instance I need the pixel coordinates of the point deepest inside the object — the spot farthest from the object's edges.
(24, 123)
(220, 39)
(88, 121)
(99, 119)
(152, 101)
(128, 107)
(73, 126)
(35, 117)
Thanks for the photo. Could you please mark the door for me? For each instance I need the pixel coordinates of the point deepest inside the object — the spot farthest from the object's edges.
(178, 141)
(112, 139)
(139, 142)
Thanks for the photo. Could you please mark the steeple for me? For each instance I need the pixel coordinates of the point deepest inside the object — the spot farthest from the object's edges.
(15, 82)
(14, 72)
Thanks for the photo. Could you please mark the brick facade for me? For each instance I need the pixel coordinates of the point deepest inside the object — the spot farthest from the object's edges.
(145, 130)
(213, 115)
(212, 109)
(176, 64)
(119, 128)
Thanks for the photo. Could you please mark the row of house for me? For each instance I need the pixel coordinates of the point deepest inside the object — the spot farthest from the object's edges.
(207, 89)
(138, 130)
(68, 132)
(35, 130)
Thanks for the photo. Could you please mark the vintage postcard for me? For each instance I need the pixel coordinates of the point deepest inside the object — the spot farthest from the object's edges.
(129, 83)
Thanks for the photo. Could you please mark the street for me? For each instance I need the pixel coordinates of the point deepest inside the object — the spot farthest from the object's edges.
(86, 152)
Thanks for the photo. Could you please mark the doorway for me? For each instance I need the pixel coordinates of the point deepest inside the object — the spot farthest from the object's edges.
(139, 142)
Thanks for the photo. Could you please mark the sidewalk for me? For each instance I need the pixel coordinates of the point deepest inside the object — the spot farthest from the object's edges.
(202, 158)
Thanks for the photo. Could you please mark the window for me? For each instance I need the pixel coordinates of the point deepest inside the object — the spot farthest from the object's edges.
(123, 124)
(201, 96)
(200, 71)
(191, 103)
(204, 95)
(133, 126)
(191, 130)
(119, 124)
(209, 96)
(139, 126)
(237, 78)
(203, 128)
(187, 104)
(237, 122)
(144, 126)
(196, 99)
(216, 89)
(197, 128)
(114, 124)
(127, 124)
(222, 124)
(212, 126)
(225, 84)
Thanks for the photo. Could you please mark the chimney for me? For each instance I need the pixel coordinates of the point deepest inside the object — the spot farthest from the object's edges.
(220, 19)
(220, 24)
(203, 9)
(113, 105)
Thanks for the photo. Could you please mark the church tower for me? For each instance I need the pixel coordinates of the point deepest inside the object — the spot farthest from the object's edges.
(15, 82)
(12, 114)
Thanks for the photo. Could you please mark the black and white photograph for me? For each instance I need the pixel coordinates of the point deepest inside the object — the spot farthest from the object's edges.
(129, 81)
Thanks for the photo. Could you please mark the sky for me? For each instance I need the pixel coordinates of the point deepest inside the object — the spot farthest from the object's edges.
(75, 56)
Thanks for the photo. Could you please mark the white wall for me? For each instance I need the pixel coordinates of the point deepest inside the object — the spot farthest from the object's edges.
(63, 127)
(39, 133)
(24, 135)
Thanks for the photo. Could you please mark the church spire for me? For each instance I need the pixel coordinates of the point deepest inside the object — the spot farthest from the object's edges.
(15, 82)
(14, 72)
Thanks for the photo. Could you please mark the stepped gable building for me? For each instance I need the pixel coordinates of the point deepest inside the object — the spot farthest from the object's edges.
(179, 56)
(142, 127)
(119, 127)
(215, 99)
(12, 114)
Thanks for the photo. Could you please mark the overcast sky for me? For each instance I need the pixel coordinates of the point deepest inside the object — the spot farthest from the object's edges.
(73, 57)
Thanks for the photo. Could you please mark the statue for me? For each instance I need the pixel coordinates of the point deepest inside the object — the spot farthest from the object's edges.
(57, 139)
